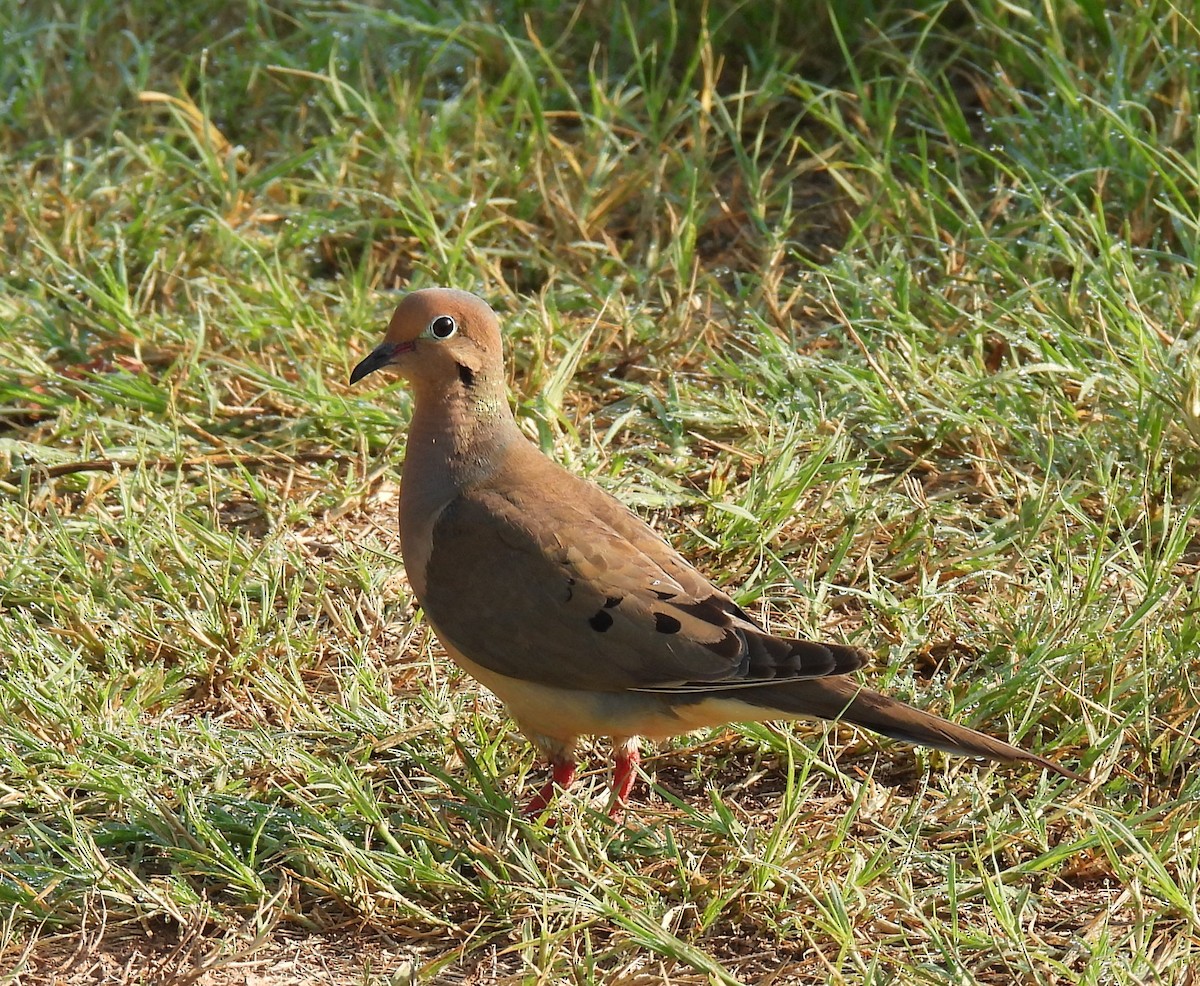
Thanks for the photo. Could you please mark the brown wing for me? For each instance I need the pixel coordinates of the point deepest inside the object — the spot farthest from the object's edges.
(575, 591)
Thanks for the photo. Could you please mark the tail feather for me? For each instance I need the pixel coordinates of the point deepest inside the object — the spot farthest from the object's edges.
(839, 699)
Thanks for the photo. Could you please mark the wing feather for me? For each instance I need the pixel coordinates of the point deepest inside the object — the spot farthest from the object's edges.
(578, 592)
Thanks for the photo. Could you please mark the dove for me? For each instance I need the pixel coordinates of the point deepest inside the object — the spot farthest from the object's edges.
(570, 608)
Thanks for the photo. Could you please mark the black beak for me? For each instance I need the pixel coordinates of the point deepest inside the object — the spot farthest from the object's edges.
(380, 357)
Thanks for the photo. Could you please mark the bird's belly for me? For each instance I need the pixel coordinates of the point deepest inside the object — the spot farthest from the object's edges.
(565, 713)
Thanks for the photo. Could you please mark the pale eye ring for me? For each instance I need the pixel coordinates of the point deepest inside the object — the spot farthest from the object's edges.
(443, 327)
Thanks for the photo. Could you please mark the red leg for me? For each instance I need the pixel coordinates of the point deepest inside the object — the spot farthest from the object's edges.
(562, 777)
(625, 764)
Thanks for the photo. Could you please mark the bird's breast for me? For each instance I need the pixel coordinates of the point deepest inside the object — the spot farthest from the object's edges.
(419, 513)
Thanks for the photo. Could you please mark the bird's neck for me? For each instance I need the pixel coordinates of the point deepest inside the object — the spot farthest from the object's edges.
(458, 433)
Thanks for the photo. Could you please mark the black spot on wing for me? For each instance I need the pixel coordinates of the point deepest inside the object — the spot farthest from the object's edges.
(601, 621)
(731, 646)
(612, 601)
(664, 595)
(709, 610)
(729, 606)
(666, 624)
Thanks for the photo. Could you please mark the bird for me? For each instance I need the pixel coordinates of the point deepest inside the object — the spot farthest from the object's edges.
(569, 607)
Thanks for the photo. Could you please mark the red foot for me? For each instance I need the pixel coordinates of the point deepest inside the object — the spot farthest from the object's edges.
(624, 774)
(562, 777)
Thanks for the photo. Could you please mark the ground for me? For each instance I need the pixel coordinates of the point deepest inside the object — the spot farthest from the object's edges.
(884, 314)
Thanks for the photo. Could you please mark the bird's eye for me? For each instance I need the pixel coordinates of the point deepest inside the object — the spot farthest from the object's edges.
(443, 327)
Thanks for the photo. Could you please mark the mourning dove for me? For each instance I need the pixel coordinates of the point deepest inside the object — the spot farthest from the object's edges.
(565, 604)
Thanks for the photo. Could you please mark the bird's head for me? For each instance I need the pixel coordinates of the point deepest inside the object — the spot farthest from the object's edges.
(436, 337)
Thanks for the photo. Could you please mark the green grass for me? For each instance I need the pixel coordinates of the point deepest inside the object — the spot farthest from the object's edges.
(887, 318)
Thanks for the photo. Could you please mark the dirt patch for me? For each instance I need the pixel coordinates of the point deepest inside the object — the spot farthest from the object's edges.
(163, 954)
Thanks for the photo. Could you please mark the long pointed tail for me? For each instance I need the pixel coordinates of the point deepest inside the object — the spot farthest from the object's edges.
(839, 699)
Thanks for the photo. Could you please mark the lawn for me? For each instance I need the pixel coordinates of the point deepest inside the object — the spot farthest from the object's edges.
(885, 314)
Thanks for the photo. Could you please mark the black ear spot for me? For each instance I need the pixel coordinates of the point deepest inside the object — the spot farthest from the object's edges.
(466, 375)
